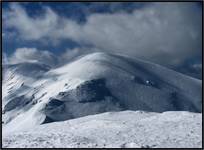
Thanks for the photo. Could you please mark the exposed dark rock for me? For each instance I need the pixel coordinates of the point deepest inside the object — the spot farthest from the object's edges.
(47, 120)
(19, 101)
(92, 95)
(53, 103)
(92, 91)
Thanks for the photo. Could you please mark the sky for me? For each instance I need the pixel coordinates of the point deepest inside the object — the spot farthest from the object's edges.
(168, 33)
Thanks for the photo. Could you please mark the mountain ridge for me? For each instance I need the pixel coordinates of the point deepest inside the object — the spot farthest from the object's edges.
(73, 91)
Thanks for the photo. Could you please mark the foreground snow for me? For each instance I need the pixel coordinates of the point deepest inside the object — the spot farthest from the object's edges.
(115, 129)
(52, 107)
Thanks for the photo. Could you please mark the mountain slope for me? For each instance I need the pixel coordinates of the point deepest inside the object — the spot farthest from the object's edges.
(98, 83)
(18, 78)
(127, 129)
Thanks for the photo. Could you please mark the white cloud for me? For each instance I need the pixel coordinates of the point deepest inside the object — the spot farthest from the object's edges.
(71, 54)
(166, 33)
(30, 28)
(4, 58)
(33, 55)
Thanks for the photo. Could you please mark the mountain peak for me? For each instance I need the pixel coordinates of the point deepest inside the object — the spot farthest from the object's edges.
(101, 82)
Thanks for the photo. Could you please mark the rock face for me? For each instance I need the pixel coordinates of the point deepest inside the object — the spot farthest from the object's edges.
(89, 91)
(92, 97)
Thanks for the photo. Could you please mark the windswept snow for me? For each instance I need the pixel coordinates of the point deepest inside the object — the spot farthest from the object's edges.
(126, 129)
(34, 94)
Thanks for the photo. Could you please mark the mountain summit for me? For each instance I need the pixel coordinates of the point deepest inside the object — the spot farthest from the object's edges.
(92, 84)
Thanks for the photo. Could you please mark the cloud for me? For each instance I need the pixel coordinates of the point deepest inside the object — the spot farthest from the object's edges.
(27, 27)
(43, 56)
(4, 58)
(71, 54)
(33, 55)
(165, 33)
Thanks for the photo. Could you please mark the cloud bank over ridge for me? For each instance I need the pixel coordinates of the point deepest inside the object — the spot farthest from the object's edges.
(165, 33)
(33, 55)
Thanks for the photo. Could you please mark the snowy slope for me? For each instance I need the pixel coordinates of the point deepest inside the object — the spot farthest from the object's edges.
(18, 77)
(124, 129)
(93, 84)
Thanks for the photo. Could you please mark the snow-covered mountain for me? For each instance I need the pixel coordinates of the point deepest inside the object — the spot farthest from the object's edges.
(35, 94)
(18, 78)
(93, 84)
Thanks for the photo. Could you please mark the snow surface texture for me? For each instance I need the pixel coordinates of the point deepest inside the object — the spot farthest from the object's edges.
(34, 94)
(126, 129)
